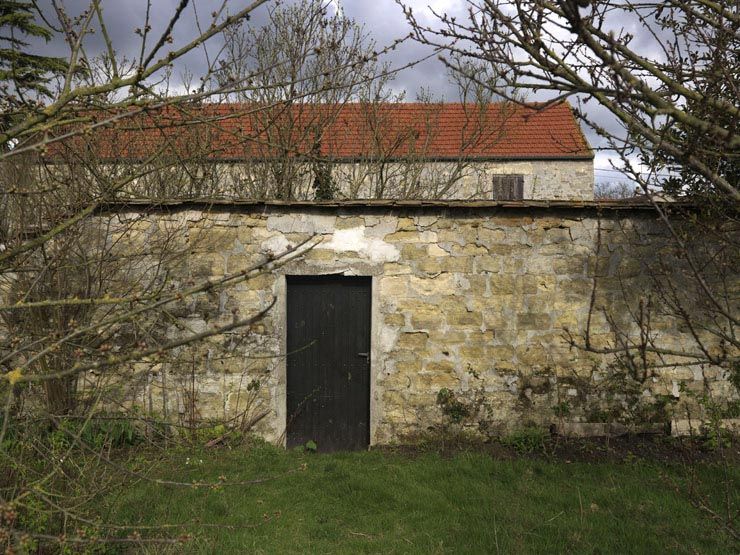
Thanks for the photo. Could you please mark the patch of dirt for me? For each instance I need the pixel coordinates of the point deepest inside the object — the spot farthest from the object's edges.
(625, 448)
(652, 447)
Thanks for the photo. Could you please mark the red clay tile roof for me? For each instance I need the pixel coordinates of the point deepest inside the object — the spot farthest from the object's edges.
(352, 131)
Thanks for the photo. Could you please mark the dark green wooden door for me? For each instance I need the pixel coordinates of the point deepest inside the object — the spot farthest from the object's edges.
(328, 363)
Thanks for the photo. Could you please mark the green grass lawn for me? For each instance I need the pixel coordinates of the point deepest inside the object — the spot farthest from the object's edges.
(374, 502)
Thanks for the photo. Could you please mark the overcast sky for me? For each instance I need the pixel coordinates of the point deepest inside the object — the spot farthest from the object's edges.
(382, 19)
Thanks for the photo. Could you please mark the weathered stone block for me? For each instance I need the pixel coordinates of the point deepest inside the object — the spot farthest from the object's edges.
(452, 236)
(456, 264)
(495, 319)
(443, 284)
(511, 265)
(394, 319)
(502, 284)
(395, 286)
(457, 315)
(413, 341)
(413, 252)
(478, 285)
(395, 269)
(427, 318)
(443, 339)
(301, 223)
(490, 237)
(404, 237)
(488, 263)
(570, 266)
(213, 239)
(320, 255)
(437, 376)
(575, 288)
(435, 250)
(406, 224)
(348, 222)
(502, 353)
(474, 354)
(430, 265)
(534, 321)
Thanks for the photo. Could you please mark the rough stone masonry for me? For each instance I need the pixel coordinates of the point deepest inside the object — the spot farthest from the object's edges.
(472, 297)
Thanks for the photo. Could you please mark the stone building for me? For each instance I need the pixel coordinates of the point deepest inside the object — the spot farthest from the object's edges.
(394, 311)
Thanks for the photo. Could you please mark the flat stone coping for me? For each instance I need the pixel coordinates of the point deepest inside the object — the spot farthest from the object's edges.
(205, 203)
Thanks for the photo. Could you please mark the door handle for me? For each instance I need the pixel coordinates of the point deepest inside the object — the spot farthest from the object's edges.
(365, 355)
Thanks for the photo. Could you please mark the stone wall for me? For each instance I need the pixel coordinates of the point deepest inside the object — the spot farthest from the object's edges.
(472, 299)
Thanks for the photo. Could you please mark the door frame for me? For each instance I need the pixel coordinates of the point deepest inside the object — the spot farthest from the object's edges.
(280, 396)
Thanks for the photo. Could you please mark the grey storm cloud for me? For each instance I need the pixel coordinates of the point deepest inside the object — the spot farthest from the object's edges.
(383, 20)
